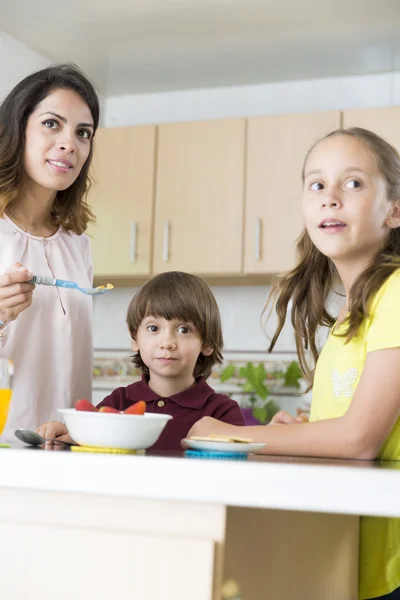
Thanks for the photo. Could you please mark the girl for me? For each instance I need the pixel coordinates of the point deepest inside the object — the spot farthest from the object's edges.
(351, 208)
(47, 124)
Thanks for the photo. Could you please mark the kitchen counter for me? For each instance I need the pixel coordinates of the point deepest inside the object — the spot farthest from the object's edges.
(174, 527)
(318, 485)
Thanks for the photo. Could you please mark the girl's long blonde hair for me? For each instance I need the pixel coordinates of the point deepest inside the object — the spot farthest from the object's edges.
(308, 285)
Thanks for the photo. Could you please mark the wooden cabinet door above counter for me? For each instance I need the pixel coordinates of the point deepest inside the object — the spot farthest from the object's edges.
(199, 197)
(383, 121)
(122, 200)
(276, 148)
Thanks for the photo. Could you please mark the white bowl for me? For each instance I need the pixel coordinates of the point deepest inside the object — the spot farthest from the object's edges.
(108, 430)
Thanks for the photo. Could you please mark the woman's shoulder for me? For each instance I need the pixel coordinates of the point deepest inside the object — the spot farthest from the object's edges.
(5, 227)
(76, 238)
(77, 245)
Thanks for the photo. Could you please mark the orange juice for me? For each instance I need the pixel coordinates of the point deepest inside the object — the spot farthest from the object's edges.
(5, 399)
(6, 377)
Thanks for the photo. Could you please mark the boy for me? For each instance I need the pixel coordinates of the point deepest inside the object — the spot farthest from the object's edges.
(176, 334)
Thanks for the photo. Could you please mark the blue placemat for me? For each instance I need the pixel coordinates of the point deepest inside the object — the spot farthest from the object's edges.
(216, 454)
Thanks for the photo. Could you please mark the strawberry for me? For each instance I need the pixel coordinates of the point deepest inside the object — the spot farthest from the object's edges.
(108, 409)
(85, 405)
(138, 408)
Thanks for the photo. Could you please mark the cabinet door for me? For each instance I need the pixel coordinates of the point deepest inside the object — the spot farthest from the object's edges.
(276, 148)
(122, 200)
(199, 197)
(383, 121)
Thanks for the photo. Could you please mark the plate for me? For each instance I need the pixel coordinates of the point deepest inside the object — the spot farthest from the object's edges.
(211, 446)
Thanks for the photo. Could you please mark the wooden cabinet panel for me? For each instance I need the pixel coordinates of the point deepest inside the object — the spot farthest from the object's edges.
(105, 548)
(199, 197)
(283, 555)
(383, 121)
(276, 148)
(122, 200)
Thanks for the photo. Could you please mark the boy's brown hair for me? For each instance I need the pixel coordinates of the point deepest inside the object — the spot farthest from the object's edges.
(177, 295)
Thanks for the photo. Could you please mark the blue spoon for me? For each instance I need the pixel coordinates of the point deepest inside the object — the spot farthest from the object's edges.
(42, 280)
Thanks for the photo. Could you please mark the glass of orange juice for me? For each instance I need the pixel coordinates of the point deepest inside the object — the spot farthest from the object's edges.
(6, 375)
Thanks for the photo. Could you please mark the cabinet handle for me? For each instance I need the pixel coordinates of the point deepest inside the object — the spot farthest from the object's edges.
(258, 239)
(132, 253)
(166, 242)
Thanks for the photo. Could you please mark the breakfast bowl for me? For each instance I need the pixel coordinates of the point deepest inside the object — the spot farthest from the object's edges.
(108, 430)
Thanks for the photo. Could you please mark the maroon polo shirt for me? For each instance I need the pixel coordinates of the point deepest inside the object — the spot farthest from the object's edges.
(186, 408)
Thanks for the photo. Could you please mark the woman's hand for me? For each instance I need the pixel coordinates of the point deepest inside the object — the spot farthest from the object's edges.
(15, 292)
(54, 430)
(284, 418)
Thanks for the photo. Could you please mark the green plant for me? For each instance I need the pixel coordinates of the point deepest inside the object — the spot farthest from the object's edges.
(253, 383)
(293, 375)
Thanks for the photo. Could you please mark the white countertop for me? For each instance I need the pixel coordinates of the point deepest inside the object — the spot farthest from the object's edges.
(267, 482)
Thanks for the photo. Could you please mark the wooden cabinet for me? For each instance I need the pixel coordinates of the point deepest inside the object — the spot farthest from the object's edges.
(137, 549)
(383, 121)
(276, 148)
(100, 546)
(216, 198)
(199, 197)
(122, 200)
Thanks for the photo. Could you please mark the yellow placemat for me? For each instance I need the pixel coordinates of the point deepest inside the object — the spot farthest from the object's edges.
(102, 450)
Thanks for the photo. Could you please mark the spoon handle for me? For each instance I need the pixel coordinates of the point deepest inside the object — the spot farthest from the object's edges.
(44, 280)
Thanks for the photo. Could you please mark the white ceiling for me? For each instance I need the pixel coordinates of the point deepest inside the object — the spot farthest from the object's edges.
(131, 46)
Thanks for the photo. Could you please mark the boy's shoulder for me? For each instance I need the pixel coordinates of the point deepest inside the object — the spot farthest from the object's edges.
(204, 390)
(220, 399)
(223, 400)
(201, 396)
(217, 405)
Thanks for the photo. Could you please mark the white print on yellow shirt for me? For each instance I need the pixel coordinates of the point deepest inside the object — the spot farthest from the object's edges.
(343, 384)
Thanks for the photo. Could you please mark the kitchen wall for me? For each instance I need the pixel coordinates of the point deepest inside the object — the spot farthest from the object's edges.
(337, 93)
(16, 61)
(240, 308)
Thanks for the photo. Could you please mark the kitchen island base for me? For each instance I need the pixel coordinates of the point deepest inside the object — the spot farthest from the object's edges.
(73, 545)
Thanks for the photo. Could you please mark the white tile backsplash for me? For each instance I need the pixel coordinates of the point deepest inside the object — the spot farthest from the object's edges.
(240, 307)
(109, 319)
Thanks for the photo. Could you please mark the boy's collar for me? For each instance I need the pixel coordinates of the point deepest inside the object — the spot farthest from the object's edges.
(194, 397)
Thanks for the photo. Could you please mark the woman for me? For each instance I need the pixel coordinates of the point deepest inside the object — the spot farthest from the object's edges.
(47, 124)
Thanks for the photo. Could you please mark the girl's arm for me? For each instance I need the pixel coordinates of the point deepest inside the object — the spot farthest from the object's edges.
(358, 434)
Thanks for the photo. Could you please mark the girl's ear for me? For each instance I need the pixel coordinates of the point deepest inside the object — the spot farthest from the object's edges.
(134, 346)
(207, 350)
(393, 220)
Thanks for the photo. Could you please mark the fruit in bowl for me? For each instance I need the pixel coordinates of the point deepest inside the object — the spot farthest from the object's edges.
(138, 408)
(89, 426)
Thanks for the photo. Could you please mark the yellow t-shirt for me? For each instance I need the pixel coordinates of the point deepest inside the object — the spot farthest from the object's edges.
(338, 372)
